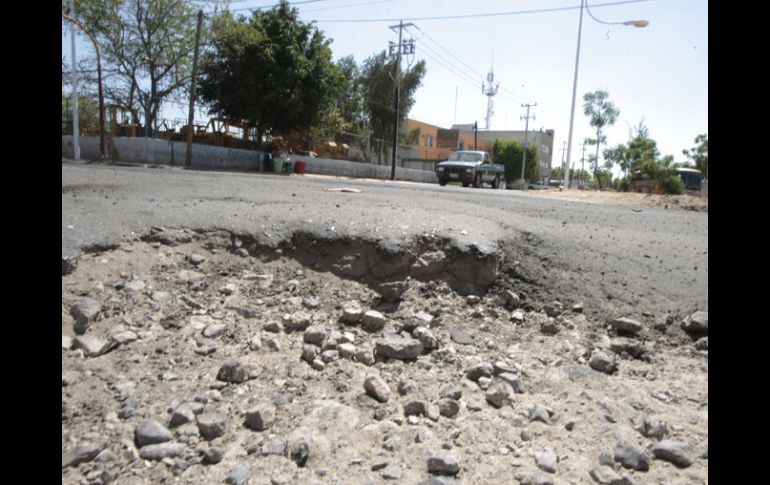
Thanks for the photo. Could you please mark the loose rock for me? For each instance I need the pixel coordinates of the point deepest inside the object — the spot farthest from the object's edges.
(261, 417)
(211, 425)
(444, 463)
(84, 311)
(677, 452)
(376, 387)
(149, 432)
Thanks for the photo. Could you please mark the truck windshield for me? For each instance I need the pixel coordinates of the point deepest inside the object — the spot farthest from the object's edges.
(466, 157)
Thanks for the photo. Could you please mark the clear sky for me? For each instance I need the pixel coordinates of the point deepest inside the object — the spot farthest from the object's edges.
(658, 74)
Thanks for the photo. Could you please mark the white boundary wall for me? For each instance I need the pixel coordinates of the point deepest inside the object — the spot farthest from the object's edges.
(165, 152)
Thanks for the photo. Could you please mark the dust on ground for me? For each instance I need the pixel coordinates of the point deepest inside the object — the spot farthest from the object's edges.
(500, 392)
(685, 202)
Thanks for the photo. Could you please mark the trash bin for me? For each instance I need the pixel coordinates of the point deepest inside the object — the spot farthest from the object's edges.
(267, 164)
(288, 165)
(278, 165)
(300, 166)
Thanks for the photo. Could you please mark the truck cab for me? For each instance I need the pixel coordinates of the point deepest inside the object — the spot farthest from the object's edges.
(469, 167)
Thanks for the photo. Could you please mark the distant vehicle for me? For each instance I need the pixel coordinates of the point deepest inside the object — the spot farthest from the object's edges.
(470, 167)
(537, 186)
(690, 177)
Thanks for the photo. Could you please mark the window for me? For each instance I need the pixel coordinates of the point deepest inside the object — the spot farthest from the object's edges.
(428, 140)
(462, 145)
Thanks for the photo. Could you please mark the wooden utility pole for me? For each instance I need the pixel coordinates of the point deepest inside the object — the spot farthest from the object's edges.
(188, 156)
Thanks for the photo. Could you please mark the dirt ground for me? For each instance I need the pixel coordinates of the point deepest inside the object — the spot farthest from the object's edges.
(686, 202)
(500, 392)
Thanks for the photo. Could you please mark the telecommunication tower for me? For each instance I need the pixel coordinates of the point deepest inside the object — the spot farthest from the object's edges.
(490, 91)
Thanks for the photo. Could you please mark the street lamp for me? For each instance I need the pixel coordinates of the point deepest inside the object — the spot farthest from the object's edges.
(633, 23)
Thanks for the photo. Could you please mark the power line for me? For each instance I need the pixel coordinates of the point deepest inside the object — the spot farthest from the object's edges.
(348, 5)
(492, 14)
(262, 7)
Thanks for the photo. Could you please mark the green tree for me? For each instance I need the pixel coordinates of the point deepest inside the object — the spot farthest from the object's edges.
(88, 114)
(378, 76)
(350, 102)
(146, 48)
(601, 113)
(700, 154)
(272, 71)
(510, 154)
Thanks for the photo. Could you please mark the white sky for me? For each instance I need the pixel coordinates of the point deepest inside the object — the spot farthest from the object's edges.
(658, 73)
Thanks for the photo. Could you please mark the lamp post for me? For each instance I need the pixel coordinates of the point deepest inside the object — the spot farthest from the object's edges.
(634, 23)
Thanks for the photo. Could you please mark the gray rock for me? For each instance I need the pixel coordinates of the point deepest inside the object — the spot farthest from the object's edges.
(432, 412)
(196, 259)
(82, 453)
(392, 442)
(533, 478)
(677, 452)
(452, 392)
(414, 408)
(550, 327)
(444, 463)
(185, 413)
(311, 303)
(539, 413)
(92, 346)
(398, 348)
(364, 356)
(484, 369)
(570, 424)
(134, 286)
(211, 425)
(512, 379)
(346, 351)
(66, 342)
(213, 455)
(700, 344)
(630, 457)
(652, 427)
(318, 364)
(240, 475)
(122, 338)
(392, 291)
(603, 362)
(577, 308)
(634, 348)
(310, 352)
(697, 323)
(448, 407)
(428, 264)
(429, 342)
(546, 461)
(233, 372)
(255, 343)
(273, 327)
(499, 394)
(328, 356)
(274, 446)
(214, 330)
(84, 311)
(484, 382)
(604, 475)
(626, 325)
(149, 432)
(517, 316)
(162, 450)
(391, 472)
(511, 299)
(376, 387)
(297, 321)
(607, 459)
(553, 309)
(298, 447)
(315, 334)
(373, 321)
(260, 417)
(460, 337)
(351, 313)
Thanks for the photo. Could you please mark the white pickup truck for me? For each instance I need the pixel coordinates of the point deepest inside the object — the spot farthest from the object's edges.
(470, 167)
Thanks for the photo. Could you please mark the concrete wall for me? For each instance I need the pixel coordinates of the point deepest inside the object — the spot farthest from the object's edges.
(163, 152)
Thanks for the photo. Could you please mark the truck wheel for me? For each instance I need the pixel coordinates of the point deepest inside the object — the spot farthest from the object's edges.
(442, 183)
(465, 184)
(496, 182)
(477, 181)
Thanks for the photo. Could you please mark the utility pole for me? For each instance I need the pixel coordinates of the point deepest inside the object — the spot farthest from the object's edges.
(75, 124)
(564, 148)
(581, 180)
(475, 133)
(526, 131)
(188, 155)
(455, 118)
(399, 48)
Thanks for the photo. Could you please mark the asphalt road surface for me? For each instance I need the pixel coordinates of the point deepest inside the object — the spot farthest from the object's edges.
(617, 261)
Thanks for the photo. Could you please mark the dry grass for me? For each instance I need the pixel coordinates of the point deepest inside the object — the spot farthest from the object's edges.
(685, 202)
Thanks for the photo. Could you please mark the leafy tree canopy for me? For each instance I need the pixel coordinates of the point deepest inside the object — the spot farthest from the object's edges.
(511, 154)
(700, 154)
